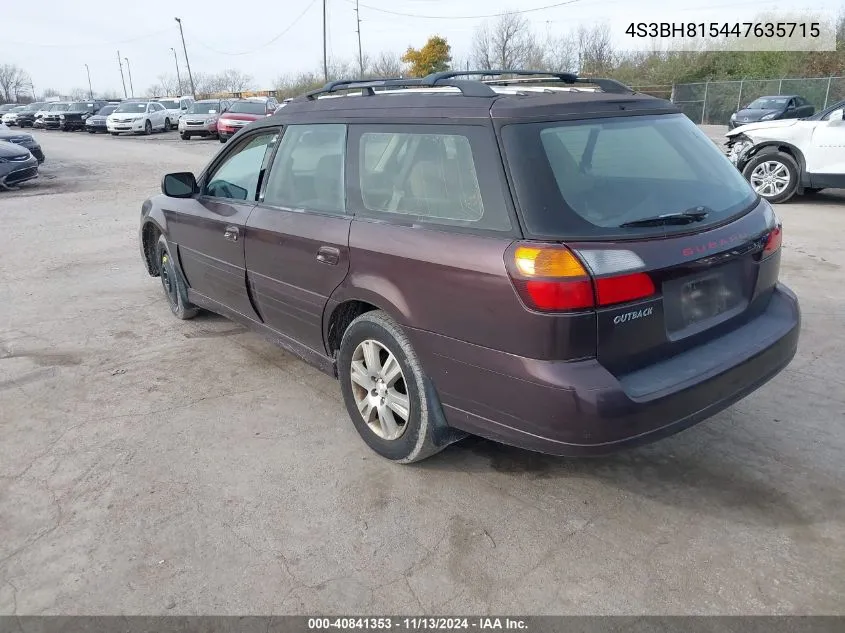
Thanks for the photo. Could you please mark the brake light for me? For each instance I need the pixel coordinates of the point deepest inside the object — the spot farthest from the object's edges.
(553, 278)
(774, 241)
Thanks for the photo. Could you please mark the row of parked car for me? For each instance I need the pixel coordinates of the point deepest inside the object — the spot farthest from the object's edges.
(219, 118)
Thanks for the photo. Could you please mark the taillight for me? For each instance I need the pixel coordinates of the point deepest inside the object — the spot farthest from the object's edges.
(553, 278)
(773, 242)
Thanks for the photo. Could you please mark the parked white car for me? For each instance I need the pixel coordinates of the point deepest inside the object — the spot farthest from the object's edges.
(138, 117)
(11, 117)
(783, 158)
(176, 107)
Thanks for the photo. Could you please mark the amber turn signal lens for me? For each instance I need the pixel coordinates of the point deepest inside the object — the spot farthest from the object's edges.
(547, 262)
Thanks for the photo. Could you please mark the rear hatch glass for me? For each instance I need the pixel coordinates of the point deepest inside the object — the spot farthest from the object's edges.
(586, 179)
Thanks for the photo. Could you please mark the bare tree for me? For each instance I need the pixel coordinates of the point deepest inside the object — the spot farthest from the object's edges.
(13, 81)
(387, 64)
(595, 49)
(560, 54)
(165, 85)
(51, 92)
(506, 43)
(235, 81)
(78, 94)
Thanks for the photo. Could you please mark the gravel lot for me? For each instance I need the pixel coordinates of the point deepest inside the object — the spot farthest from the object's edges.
(152, 466)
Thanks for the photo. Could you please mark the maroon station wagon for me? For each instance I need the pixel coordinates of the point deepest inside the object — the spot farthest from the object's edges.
(564, 269)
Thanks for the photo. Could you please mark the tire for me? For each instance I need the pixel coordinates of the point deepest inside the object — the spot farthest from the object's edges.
(92, 131)
(167, 127)
(148, 128)
(115, 133)
(221, 139)
(185, 137)
(171, 283)
(412, 439)
(769, 171)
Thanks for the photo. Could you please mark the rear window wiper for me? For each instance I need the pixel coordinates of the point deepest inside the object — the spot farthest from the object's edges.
(683, 217)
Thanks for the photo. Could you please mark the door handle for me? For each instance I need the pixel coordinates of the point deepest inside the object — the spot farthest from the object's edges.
(231, 233)
(328, 255)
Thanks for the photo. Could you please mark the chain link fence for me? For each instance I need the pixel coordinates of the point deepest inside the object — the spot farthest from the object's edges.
(713, 102)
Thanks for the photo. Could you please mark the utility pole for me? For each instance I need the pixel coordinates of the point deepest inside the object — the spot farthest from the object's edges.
(178, 76)
(360, 54)
(131, 87)
(325, 57)
(90, 90)
(187, 61)
(123, 81)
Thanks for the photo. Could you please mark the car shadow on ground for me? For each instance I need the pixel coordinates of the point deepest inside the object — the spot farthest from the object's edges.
(732, 486)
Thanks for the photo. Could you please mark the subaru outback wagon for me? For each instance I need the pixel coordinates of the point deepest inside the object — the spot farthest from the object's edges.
(564, 269)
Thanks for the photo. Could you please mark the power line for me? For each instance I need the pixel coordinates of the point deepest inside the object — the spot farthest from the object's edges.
(275, 39)
(463, 17)
(89, 43)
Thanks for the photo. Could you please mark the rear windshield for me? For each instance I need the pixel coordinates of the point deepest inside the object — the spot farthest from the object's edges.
(249, 107)
(585, 179)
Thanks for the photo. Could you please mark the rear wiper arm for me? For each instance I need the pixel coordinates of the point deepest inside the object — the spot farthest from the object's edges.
(682, 217)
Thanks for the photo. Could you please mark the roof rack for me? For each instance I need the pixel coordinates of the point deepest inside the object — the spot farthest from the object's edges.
(469, 88)
(607, 85)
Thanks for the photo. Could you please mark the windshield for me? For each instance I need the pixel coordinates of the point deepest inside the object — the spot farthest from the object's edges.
(131, 107)
(249, 107)
(18, 109)
(107, 110)
(170, 104)
(58, 107)
(768, 103)
(585, 179)
(824, 115)
(81, 105)
(34, 107)
(211, 107)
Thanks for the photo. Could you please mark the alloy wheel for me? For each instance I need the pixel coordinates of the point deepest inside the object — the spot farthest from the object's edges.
(770, 178)
(380, 390)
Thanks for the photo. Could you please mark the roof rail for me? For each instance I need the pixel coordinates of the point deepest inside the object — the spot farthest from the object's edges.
(607, 85)
(469, 88)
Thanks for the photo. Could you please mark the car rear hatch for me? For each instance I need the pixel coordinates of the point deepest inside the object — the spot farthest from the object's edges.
(643, 222)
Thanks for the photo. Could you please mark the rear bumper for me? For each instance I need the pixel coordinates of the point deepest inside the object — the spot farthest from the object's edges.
(579, 408)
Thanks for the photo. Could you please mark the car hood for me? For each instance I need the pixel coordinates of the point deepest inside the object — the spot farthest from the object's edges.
(756, 114)
(127, 115)
(238, 116)
(10, 150)
(762, 125)
(6, 134)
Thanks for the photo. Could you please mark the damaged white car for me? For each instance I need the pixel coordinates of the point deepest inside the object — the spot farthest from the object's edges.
(794, 156)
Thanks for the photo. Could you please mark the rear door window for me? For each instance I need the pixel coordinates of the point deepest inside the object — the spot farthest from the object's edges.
(308, 169)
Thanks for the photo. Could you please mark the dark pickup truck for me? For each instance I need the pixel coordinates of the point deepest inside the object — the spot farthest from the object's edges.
(77, 113)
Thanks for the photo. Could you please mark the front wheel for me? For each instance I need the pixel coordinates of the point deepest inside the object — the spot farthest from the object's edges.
(773, 175)
(174, 289)
(92, 131)
(384, 389)
(166, 127)
(148, 128)
(221, 139)
(115, 133)
(185, 137)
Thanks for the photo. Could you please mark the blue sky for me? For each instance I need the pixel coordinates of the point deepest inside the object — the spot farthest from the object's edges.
(54, 39)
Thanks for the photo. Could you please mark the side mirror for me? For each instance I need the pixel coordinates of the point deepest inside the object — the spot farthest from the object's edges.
(179, 185)
(836, 116)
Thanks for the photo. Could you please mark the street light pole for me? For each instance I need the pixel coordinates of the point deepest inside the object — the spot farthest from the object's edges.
(90, 90)
(187, 61)
(122, 80)
(325, 57)
(131, 88)
(178, 76)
